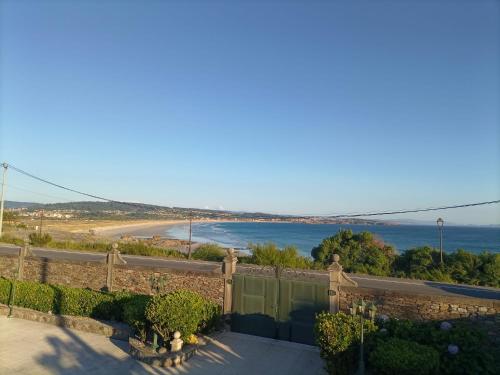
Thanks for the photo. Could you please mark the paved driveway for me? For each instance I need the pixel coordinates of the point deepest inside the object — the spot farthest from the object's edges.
(28, 347)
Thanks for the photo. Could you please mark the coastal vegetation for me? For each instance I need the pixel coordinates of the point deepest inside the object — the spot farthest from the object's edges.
(359, 253)
(270, 255)
(209, 251)
(364, 253)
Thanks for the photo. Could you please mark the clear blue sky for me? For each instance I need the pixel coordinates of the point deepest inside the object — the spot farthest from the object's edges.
(287, 106)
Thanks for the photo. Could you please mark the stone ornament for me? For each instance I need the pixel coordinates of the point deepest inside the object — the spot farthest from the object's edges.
(176, 343)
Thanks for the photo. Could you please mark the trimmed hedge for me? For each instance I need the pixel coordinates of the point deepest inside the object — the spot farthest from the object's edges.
(182, 310)
(65, 300)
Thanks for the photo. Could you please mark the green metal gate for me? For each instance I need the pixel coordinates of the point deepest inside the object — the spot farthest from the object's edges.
(277, 308)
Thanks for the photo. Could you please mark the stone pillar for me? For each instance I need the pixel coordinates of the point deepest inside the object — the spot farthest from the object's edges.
(23, 253)
(338, 278)
(229, 268)
(113, 258)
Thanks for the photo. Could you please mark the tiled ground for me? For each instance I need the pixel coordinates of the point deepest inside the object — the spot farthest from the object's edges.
(28, 347)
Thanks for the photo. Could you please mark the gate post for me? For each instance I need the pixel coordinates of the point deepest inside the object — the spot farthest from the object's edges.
(338, 278)
(112, 258)
(229, 268)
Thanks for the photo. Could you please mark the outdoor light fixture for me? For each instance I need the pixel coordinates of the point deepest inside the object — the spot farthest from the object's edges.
(358, 309)
(440, 223)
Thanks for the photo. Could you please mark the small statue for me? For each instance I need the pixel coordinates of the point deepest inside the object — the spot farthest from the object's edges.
(176, 343)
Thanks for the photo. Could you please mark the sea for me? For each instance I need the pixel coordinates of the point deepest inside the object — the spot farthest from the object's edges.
(306, 236)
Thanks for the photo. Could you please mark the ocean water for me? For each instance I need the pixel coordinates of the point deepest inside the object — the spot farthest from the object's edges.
(306, 236)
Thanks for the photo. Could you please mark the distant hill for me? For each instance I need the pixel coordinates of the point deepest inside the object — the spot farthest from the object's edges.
(126, 210)
(13, 204)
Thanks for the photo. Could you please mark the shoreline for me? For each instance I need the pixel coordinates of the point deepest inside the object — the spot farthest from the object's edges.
(141, 229)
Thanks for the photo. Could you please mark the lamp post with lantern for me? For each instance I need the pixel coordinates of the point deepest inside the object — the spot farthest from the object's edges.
(440, 223)
(361, 308)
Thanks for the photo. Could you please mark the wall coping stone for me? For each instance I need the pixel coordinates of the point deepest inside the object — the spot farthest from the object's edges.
(66, 261)
(376, 292)
(216, 272)
(114, 330)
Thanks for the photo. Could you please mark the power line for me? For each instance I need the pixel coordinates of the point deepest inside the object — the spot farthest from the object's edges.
(417, 209)
(73, 190)
(37, 193)
(330, 216)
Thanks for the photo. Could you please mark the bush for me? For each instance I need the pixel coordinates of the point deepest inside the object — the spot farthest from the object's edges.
(338, 336)
(139, 248)
(212, 252)
(270, 255)
(38, 239)
(134, 314)
(36, 296)
(402, 357)
(211, 315)
(86, 302)
(476, 353)
(359, 252)
(180, 310)
(5, 286)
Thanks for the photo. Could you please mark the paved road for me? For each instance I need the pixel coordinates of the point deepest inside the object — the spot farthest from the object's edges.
(32, 348)
(385, 283)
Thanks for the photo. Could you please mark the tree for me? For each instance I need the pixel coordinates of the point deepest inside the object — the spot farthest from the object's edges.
(359, 252)
(422, 263)
(270, 255)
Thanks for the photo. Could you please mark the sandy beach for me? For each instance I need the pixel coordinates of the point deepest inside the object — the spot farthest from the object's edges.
(142, 229)
(146, 228)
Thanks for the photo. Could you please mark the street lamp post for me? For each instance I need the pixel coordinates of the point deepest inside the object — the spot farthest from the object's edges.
(190, 232)
(361, 308)
(440, 223)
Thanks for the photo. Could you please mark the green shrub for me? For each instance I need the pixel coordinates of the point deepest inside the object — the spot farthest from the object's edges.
(180, 310)
(86, 302)
(403, 357)
(33, 295)
(5, 286)
(134, 310)
(338, 336)
(359, 252)
(270, 255)
(476, 353)
(210, 251)
(211, 315)
(139, 248)
(38, 239)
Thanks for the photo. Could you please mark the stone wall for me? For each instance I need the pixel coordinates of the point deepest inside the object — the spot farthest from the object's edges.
(420, 306)
(8, 266)
(136, 279)
(145, 279)
(66, 272)
(140, 279)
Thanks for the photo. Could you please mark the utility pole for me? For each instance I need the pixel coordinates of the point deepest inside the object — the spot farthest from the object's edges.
(41, 222)
(4, 179)
(190, 232)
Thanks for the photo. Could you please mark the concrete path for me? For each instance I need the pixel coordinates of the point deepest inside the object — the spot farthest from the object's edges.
(32, 348)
